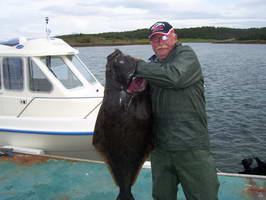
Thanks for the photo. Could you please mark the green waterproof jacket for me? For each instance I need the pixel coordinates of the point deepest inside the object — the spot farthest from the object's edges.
(178, 102)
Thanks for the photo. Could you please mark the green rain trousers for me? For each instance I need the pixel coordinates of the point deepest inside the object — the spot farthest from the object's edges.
(194, 170)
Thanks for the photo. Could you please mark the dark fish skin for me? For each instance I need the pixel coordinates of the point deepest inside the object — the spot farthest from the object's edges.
(123, 130)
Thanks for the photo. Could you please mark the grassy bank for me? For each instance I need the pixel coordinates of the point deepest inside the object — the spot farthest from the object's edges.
(88, 40)
(77, 42)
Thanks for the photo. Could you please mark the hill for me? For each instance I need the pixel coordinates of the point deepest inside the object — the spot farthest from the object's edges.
(198, 34)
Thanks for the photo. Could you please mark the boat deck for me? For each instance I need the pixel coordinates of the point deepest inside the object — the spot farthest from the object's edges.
(34, 177)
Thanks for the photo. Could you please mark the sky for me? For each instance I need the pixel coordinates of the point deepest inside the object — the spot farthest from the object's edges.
(27, 17)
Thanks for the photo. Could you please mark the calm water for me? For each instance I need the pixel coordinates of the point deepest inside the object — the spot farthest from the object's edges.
(235, 78)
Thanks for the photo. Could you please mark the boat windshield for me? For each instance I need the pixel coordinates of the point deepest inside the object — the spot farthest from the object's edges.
(61, 71)
(82, 69)
(38, 82)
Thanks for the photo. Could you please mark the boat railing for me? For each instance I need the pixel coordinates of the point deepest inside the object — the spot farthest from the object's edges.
(241, 175)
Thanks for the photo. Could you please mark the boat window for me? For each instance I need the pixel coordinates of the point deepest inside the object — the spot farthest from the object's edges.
(61, 71)
(13, 73)
(37, 79)
(83, 69)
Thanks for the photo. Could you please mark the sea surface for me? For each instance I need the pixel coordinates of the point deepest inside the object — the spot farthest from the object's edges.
(235, 79)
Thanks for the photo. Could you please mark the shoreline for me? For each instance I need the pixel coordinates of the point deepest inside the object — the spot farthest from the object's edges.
(241, 42)
(104, 44)
(75, 44)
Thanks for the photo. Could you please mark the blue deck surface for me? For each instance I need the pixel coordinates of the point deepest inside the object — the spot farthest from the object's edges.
(64, 180)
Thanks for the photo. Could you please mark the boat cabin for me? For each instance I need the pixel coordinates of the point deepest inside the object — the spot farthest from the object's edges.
(49, 99)
(45, 78)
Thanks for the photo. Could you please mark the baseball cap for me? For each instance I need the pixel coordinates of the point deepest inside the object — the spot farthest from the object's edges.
(162, 28)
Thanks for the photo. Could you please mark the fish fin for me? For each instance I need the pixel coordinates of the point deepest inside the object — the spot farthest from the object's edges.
(101, 150)
(149, 149)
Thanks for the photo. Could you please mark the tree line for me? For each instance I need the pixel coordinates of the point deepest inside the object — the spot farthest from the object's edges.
(220, 33)
(216, 33)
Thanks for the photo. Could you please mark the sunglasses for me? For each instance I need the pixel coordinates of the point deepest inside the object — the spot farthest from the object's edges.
(157, 39)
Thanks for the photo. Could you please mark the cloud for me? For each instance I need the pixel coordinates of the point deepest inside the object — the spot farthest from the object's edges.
(26, 17)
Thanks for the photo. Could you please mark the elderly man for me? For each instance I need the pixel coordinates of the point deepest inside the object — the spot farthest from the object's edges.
(181, 152)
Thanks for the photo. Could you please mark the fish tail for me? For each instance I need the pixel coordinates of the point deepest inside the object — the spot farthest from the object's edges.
(125, 196)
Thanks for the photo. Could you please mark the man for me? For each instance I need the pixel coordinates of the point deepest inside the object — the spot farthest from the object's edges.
(181, 152)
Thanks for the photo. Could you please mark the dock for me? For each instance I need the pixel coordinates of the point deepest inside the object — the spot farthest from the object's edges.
(39, 177)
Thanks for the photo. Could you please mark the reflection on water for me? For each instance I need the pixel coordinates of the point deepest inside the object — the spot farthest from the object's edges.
(235, 79)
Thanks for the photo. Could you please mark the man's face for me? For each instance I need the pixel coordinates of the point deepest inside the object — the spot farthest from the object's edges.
(162, 45)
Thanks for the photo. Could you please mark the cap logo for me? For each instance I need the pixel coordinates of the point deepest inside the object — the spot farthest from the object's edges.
(157, 27)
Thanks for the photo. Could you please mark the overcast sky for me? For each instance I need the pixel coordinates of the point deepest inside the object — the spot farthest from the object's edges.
(26, 17)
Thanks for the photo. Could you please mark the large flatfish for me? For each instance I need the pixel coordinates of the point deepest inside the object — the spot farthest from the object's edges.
(123, 133)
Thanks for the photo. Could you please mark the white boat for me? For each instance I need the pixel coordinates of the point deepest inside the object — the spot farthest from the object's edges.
(49, 99)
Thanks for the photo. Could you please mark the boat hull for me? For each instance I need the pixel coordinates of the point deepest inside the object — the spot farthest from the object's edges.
(74, 145)
(63, 137)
